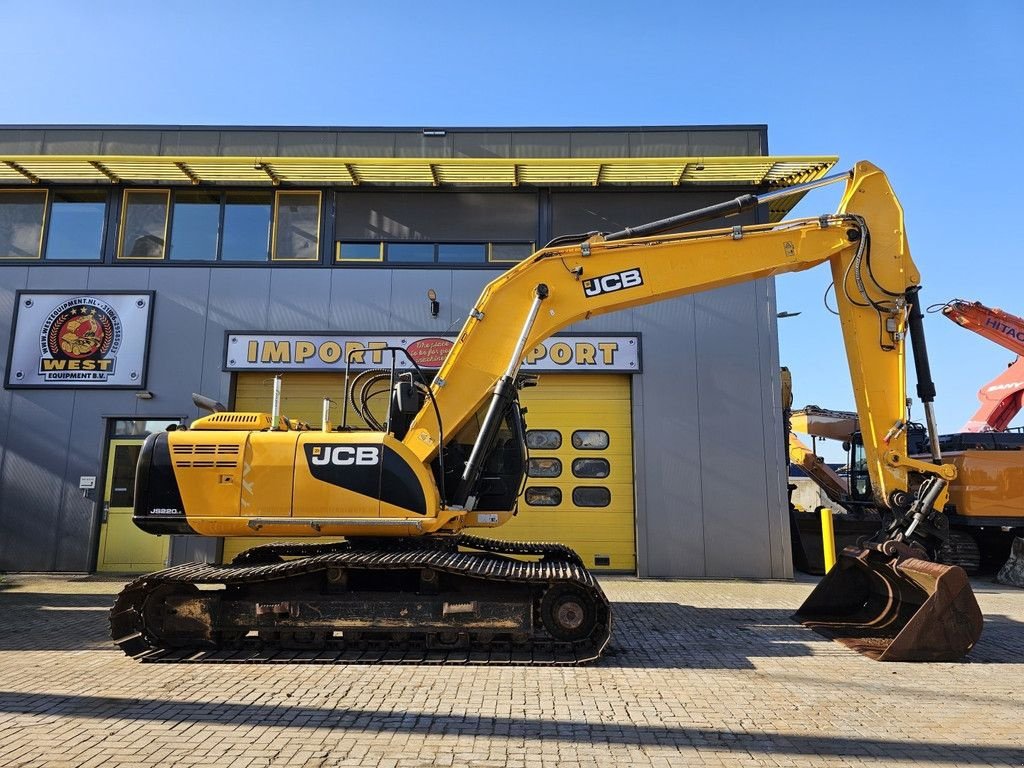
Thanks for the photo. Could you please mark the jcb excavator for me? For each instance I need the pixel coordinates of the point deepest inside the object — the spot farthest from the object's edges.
(408, 585)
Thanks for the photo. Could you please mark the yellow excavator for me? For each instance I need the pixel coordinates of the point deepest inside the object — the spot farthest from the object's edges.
(407, 584)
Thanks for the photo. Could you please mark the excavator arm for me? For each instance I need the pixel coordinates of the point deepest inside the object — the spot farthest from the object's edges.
(875, 277)
(1003, 397)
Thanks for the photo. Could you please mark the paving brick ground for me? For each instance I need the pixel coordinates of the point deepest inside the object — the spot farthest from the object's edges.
(702, 673)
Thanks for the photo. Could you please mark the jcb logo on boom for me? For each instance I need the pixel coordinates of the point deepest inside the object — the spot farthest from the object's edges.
(345, 455)
(617, 281)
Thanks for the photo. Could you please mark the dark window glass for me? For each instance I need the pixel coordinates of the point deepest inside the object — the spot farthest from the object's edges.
(590, 439)
(21, 223)
(544, 468)
(543, 496)
(459, 253)
(359, 252)
(543, 438)
(298, 226)
(145, 225)
(122, 476)
(246, 226)
(75, 229)
(195, 224)
(590, 467)
(411, 253)
(510, 251)
(596, 496)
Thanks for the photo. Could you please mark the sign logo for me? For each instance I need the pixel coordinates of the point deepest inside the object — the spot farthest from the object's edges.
(79, 341)
(616, 281)
(430, 352)
(345, 455)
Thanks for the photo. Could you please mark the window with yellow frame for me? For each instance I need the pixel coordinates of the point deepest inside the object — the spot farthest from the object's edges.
(349, 251)
(143, 231)
(22, 221)
(296, 233)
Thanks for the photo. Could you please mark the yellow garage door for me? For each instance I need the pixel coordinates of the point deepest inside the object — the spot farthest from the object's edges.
(580, 489)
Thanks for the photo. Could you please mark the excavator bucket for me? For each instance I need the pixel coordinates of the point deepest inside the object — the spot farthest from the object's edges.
(895, 607)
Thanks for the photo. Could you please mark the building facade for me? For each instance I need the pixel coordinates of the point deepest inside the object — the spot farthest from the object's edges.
(140, 265)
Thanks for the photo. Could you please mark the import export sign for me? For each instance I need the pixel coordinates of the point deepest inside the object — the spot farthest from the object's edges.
(246, 351)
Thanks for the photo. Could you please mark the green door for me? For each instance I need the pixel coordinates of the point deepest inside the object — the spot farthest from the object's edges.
(123, 547)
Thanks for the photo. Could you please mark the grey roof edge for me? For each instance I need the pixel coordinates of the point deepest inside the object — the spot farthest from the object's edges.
(762, 127)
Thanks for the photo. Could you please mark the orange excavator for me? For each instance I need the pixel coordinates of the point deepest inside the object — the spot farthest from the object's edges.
(1003, 397)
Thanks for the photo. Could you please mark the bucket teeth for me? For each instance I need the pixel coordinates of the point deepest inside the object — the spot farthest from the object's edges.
(895, 608)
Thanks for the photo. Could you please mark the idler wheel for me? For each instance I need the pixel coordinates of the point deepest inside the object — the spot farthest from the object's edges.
(568, 613)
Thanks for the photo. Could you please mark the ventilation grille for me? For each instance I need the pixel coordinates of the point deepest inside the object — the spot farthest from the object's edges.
(203, 455)
(249, 421)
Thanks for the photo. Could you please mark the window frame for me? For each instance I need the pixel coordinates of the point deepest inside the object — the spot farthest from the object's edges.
(101, 257)
(492, 243)
(42, 228)
(119, 254)
(378, 260)
(274, 224)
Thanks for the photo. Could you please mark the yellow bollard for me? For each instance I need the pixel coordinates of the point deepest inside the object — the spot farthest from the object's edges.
(828, 539)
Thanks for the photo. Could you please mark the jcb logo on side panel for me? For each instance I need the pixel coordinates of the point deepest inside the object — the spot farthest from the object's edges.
(617, 281)
(345, 455)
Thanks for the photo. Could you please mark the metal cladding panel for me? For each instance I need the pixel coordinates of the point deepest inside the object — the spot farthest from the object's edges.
(239, 299)
(733, 460)
(27, 142)
(410, 308)
(466, 289)
(248, 143)
(189, 142)
(600, 144)
(32, 479)
(118, 279)
(127, 142)
(368, 144)
(725, 143)
(437, 216)
(498, 144)
(11, 279)
(541, 144)
(300, 300)
(305, 144)
(58, 141)
(419, 145)
(176, 346)
(360, 299)
(666, 421)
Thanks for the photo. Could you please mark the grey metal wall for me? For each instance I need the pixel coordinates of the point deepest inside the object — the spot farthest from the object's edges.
(708, 455)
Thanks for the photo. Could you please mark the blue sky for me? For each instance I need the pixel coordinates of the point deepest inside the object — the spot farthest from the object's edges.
(931, 92)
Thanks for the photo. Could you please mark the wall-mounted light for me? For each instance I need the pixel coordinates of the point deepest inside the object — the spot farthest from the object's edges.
(145, 394)
(433, 132)
(787, 313)
(435, 305)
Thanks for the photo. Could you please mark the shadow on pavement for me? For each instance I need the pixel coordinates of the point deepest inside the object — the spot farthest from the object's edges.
(649, 635)
(403, 722)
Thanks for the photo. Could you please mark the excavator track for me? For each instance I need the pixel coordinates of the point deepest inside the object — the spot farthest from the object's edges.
(370, 601)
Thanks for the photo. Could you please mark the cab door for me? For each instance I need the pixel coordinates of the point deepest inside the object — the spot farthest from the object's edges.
(124, 548)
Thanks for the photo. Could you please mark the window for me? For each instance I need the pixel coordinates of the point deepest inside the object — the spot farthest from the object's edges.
(410, 253)
(21, 223)
(142, 427)
(590, 439)
(509, 251)
(544, 468)
(590, 467)
(246, 228)
(591, 496)
(360, 252)
(420, 252)
(196, 225)
(461, 253)
(297, 226)
(543, 496)
(548, 439)
(75, 230)
(144, 224)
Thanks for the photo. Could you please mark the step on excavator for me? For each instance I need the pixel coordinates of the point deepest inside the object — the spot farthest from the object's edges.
(408, 584)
